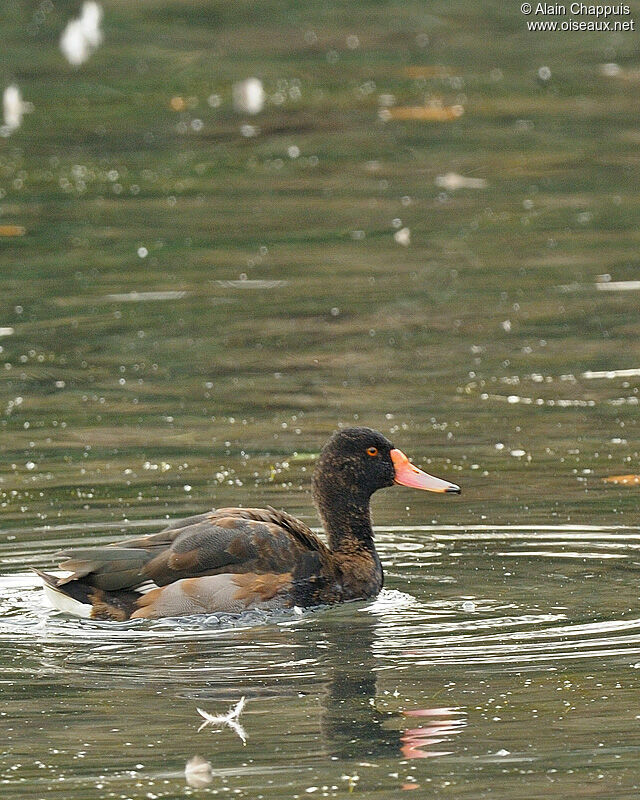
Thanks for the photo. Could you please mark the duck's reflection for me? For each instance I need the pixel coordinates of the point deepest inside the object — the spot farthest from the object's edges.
(356, 723)
(443, 724)
(367, 711)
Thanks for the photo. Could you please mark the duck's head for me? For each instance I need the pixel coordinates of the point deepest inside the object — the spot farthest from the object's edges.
(356, 462)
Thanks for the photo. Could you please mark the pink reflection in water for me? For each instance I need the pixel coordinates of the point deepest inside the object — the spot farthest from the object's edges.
(445, 723)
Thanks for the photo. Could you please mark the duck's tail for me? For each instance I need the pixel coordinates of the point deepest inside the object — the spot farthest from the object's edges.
(81, 599)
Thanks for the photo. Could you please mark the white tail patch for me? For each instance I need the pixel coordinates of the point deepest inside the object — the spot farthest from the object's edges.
(62, 602)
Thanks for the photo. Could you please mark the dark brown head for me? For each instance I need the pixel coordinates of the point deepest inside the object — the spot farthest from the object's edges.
(356, 462)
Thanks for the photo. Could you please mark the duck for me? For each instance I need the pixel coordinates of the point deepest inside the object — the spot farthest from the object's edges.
(230, 560)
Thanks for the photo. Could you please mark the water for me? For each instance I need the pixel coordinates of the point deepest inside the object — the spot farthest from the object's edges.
(501, 657)
(188, 311)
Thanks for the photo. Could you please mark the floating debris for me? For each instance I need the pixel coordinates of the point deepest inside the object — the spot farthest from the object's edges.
(452, 182)
(618, 286)
(514, 399)
(230, 719)
(611, 373)
(138, 297)
(7, 331)
(544, 74)
(198, 772)
(613, 70)
(249, 131)
(403, 237)
(12, 230)
(434, 113)
(603, 284)
(82, 36)
(386, 100)
(75, 47)
(248, 96)
(13, 108)
(623, 480)
(351, 780)
(610, 70)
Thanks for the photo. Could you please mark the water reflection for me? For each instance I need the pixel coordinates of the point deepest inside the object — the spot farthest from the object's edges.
(490, 626)
(442, 725)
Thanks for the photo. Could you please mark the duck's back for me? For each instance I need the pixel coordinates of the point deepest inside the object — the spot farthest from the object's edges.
(229, 559)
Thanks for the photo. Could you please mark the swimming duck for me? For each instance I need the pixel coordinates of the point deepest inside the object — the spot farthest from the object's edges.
(234, 559)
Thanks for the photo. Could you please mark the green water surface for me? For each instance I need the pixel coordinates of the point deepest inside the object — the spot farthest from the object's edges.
(194, 305)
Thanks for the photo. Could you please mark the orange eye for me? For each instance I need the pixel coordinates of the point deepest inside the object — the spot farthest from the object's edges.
(372, 451)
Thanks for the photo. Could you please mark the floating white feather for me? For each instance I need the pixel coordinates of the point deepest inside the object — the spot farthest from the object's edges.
(83, 35)
(231, 719)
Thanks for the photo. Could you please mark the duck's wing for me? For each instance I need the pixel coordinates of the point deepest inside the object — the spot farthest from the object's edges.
(228, 540)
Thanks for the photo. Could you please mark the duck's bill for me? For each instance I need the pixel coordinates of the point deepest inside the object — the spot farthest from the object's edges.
(408, 475)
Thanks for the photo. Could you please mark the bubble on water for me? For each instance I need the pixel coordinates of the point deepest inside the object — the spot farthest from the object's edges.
(187, 487)
(30, 465)
(249, 131)
(518, 453)
(14, 108)
(248, 96)
(214, 100)
(293, 151)
(403, 237)
(142, 252)
(452, 181)
(610, 70)
(544, 73)
(198, 772)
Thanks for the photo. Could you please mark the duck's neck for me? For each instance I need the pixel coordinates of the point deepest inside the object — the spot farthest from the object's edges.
(347, 521)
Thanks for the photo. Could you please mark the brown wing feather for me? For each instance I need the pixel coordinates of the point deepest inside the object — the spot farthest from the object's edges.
(229, 540)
